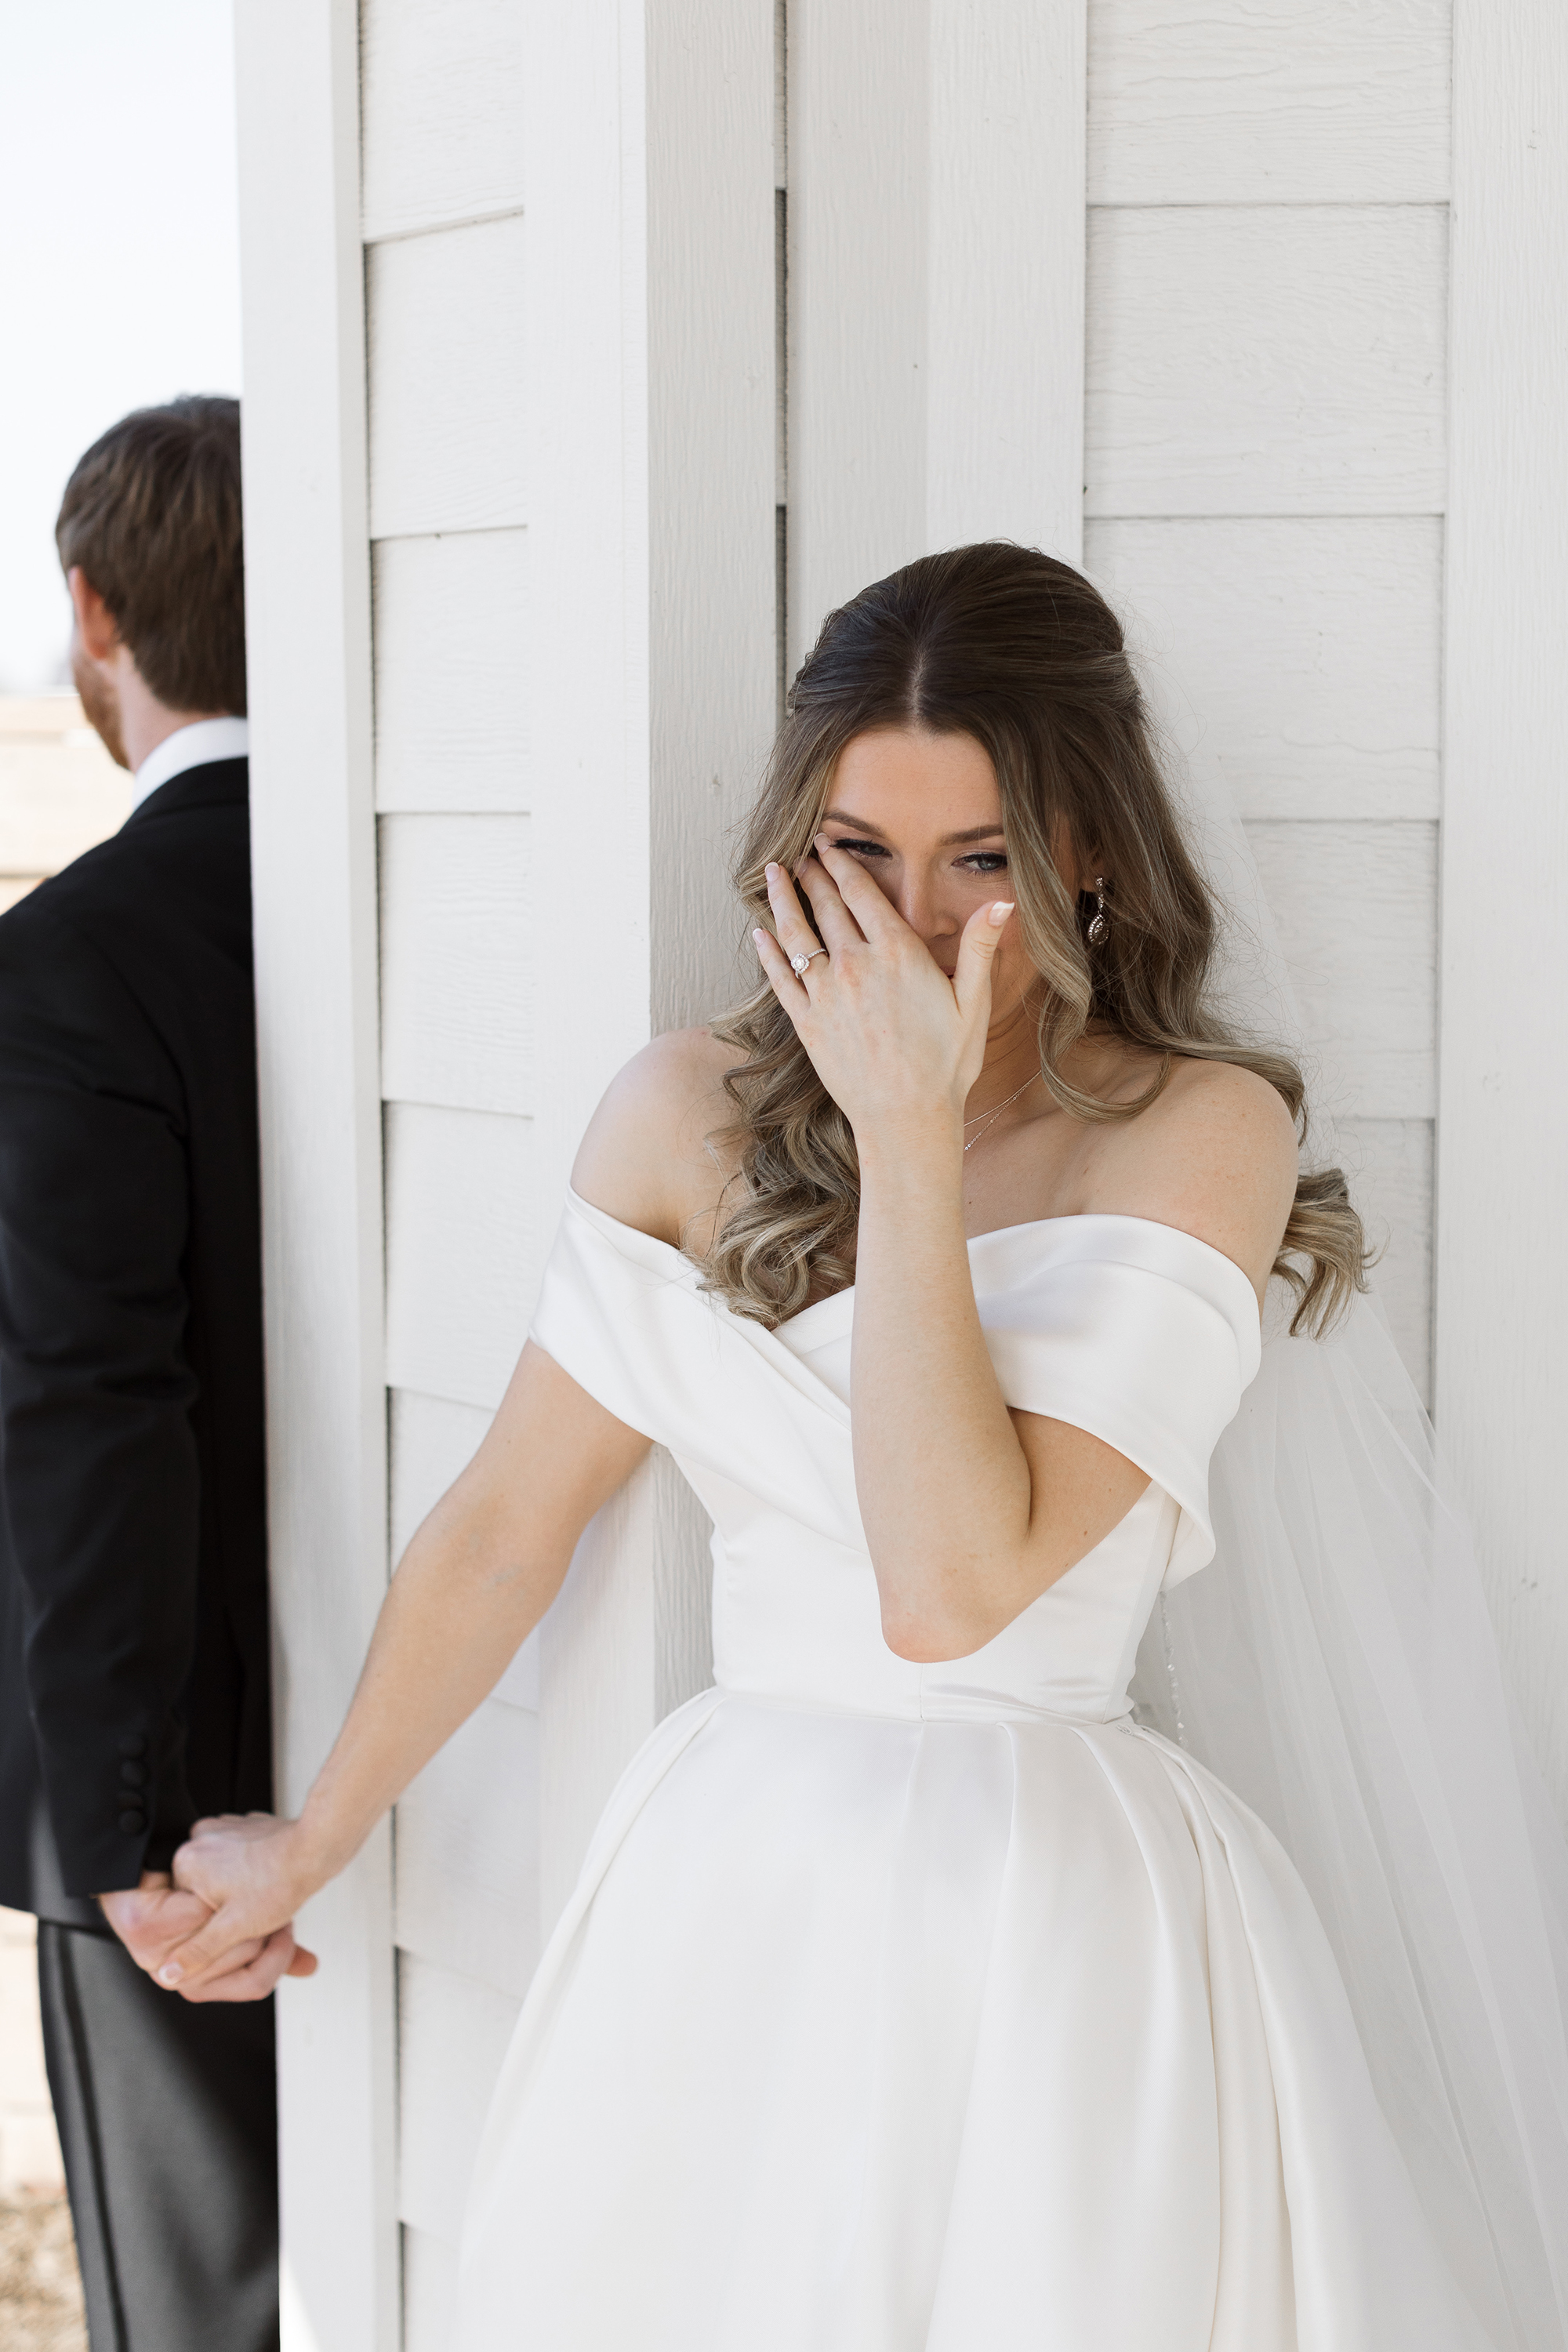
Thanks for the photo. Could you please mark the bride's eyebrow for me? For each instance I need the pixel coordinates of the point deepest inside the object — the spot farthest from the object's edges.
(949, 840)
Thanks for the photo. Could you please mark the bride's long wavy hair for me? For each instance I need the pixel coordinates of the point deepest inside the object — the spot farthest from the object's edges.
(1018, 651)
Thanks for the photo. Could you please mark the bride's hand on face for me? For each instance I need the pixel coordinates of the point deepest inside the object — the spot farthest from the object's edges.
(896, 1044)
(250, 1871)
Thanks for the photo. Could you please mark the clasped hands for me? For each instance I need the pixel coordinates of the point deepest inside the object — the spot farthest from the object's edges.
(209, 1929)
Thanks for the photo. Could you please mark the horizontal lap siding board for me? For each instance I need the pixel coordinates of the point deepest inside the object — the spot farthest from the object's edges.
(1219, 101)
(443, 84)
(456, 966)
(1265, 480)
(429, 2289)
(451, 719)
(1266, 359)
(1295, 661)
(453, 2033)
(447, 356)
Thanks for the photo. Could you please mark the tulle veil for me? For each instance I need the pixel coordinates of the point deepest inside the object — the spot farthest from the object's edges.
(1335, 1665)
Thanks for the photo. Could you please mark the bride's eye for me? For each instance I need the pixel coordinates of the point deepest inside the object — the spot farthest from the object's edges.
(862, 849)
(985, 861)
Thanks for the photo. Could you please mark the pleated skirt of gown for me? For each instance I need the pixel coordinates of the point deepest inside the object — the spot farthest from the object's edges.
(866, 2035)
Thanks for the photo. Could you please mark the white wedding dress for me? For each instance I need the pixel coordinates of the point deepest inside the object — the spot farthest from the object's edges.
(947, 2006)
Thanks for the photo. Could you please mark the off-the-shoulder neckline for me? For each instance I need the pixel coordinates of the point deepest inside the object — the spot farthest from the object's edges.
(972, 1242)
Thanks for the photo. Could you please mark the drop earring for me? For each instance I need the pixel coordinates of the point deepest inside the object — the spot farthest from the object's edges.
(1099, 921)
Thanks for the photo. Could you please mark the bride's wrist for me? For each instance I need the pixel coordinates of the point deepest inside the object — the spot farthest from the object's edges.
(318, 1848)
(924, 1152)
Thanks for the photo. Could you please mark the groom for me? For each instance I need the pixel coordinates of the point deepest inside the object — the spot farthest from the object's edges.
(134, 1626)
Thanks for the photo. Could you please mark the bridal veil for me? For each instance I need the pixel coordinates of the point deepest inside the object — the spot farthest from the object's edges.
(1336, 1666)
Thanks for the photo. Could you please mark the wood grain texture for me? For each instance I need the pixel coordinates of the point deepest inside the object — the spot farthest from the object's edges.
(1295, 661)
(712, 489)
(1287, 360)
(463, 1250)
(1247, 101)
(466, 1849)
(451, 720)
(452, 2036)
(429, 2291)
(447, 368)
(442, 93)
(456, 961)
(1388, 1164)
(1502, 1168)
(432, 1443)
(936, 185)
(1005, 291)
(314, 880)
(1355, 907)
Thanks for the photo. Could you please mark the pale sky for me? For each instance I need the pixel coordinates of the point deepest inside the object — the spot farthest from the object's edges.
(119, 262)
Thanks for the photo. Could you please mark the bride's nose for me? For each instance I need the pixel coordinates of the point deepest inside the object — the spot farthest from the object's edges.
(920, 903)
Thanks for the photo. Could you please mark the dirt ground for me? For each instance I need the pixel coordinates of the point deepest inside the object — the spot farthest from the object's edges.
(40, 2292)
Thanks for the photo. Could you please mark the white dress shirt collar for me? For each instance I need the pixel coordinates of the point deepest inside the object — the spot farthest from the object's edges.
(196, 746)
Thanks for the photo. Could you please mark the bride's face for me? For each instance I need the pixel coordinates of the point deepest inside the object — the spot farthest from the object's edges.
(923, 815)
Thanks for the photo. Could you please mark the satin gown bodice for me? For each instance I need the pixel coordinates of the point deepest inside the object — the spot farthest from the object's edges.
(1131, 1331)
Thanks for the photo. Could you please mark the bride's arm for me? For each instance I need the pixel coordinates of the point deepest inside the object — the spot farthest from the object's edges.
(474, 1582)
(971, 1510)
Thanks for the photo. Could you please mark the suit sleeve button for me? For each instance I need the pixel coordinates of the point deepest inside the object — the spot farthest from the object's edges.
(134, 1776)
(133, 1744)
(131, 1823)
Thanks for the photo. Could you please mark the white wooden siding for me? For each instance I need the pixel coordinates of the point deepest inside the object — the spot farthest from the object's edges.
(936, 181)
(456, 996)
(1296, 661)
(1502, 1281)
(1265, 359)
(452, 2035)
(313, 879)
(1225, 101)
(444, 89)
(447, 359)
(1265, 469)
(451, 714)
(466, 1236)
(429, 2289)
(467, 1851)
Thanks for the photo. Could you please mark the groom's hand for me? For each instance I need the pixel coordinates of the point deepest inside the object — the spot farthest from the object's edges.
(244, 1941)
(156, 1917)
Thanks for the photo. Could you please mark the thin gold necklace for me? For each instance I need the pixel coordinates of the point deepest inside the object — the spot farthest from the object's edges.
(994, 1113)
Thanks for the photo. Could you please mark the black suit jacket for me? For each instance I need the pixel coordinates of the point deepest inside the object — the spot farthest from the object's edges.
(133, 1627)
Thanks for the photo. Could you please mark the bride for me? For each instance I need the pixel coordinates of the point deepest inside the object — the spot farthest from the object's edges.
(917, 1991)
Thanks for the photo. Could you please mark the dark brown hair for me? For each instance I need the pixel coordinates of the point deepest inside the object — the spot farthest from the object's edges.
(1021, 653)
(153, 515)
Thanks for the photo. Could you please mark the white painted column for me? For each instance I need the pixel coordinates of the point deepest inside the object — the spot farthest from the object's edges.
(936, 208)
(1502, 1133)
(651, 684)
(307, 597)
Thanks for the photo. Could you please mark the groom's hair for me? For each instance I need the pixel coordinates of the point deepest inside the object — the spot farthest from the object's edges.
(153, 515)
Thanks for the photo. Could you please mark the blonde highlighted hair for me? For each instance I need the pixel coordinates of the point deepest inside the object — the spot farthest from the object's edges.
(1022, 654)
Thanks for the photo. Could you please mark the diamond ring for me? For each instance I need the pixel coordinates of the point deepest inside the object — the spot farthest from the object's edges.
(797, 964)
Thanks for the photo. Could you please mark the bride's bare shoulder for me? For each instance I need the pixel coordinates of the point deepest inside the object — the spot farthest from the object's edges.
(1215, 1155)
(647, 1159)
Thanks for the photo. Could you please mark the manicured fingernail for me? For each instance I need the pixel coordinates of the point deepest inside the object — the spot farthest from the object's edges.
(170, 1973)
(757, 939)
(1001, 910)
(772, 871)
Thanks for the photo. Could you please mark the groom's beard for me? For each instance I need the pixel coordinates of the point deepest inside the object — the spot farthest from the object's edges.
(100, 705)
